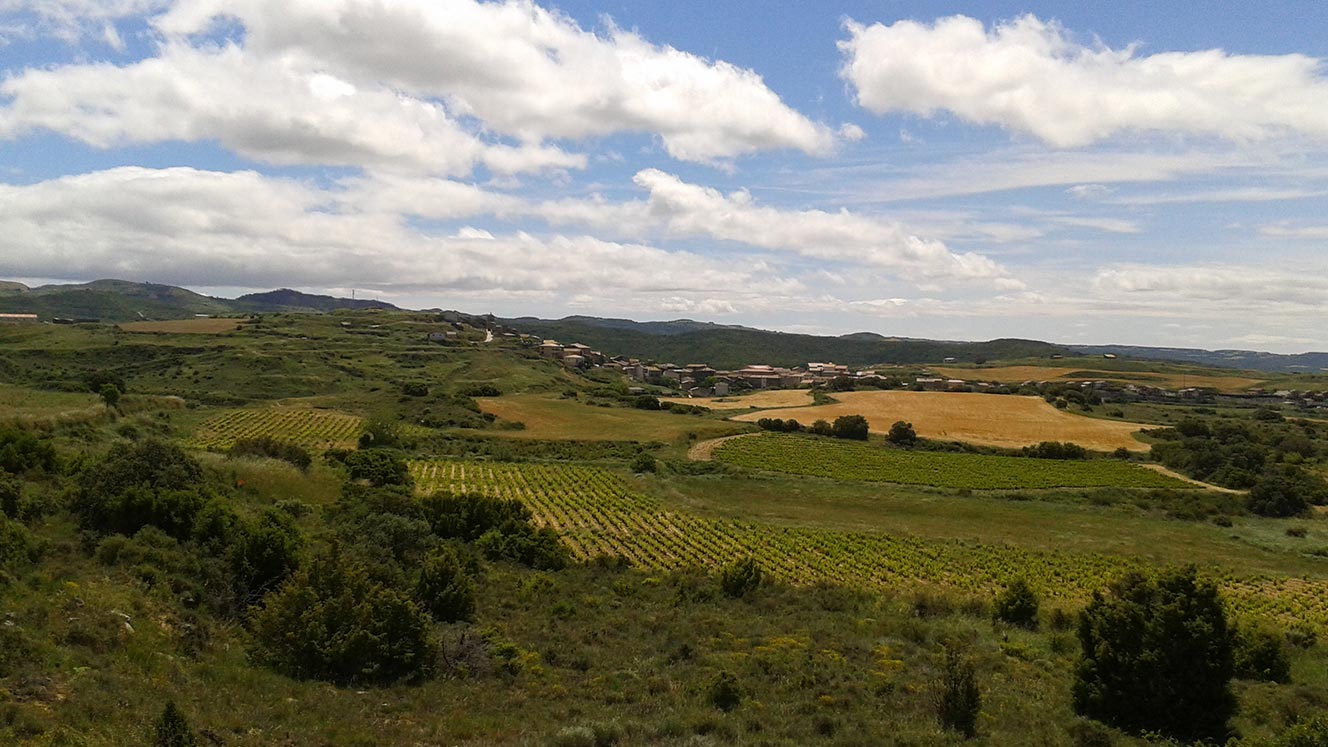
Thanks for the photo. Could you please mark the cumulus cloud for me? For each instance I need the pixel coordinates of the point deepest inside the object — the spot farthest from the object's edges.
(1030, 76)
(243, 229)
(275, 111)
(76, 20)
(1231, 285)
(522, 70)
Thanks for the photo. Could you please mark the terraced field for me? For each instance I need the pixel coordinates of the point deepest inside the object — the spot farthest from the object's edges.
(844, 460)
(598, 513)
(314, 429)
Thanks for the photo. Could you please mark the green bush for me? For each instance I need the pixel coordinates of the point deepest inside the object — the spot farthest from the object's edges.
(1277, 496)
(378, 467)
(1260, 654)
(1056, 450)
(271, 448)
(851, 427)
(741, 577)
(21, 452)
(643, 462)
(17, 548)
(134, 485)
(1157, 656)
(1017, 605)
(724, 691)
(172, 729)
(331, 622)
(959, 700)
(11, 497)
(444, 587)
(902, 434)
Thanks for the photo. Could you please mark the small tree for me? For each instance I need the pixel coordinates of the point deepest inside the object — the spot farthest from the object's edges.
(821, 428)
(110, 395)
(643, 462)
(741, 577)
(172, 729)
(960, 701)
(853, 427)
(1260, 654)
(902, 434)
(1157, 656)
(444, 587)
(1017, 605)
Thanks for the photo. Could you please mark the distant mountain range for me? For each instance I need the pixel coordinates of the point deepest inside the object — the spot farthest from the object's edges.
(680, 341)
(123, 301)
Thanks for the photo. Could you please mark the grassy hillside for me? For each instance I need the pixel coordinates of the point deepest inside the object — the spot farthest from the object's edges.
(725, 347)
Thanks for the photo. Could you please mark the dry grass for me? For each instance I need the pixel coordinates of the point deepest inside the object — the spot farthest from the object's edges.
(771, 398)
(984, 419)
(560, 419)
(1168, 379)
(185, 326)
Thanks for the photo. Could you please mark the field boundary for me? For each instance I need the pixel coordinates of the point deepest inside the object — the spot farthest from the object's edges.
(705, 450)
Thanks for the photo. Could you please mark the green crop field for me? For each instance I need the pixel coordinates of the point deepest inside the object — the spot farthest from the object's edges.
(317, 429)
(598, 513)
(843, 460)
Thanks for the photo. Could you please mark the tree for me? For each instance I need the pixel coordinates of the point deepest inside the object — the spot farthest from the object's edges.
(850, 426)
(960, 701)
(1260, 654)
(444, 587)
(172, 729)
(1277, 496)
(150, 482)
(110, 395)
(643, 462)
(332, 622)
(1017, 605)
(902, 434)
(1157, 656)
(379, 467)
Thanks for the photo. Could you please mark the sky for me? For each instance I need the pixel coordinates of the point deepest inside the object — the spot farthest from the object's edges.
(1126, 172)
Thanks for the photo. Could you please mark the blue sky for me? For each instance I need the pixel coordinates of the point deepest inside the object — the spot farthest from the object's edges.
(1083, 173)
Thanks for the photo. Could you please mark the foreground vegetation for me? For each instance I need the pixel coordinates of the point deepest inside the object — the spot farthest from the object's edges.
(421, 577)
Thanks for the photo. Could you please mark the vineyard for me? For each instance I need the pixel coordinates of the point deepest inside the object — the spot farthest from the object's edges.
(806, 455)
(314, 429)
(599, 514)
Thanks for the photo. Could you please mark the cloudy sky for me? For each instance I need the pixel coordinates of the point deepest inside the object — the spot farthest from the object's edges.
(1126, 172)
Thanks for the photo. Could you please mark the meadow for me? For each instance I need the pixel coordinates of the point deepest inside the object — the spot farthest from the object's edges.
(984, 419)
(841, 460)
(547, 417)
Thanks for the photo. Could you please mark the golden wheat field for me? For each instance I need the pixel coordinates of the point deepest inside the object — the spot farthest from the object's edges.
(984, 419)
(770, 398)
(1169, 379)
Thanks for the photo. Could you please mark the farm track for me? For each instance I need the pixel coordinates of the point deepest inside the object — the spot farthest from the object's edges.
(705, 450)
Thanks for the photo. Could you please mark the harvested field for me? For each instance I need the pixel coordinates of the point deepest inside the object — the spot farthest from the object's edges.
(185, 326)
(984, 419)
(1166, 379)
(561, 419)
(771, 398)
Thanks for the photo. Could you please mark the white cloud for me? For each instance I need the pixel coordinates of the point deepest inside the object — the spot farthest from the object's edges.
(1281, 230)
(275, 111)
(1106, 225)
(75, 20)
(1029, 76)
(522, 70)
(1230, 285)
(242, 229)
(1088, 191)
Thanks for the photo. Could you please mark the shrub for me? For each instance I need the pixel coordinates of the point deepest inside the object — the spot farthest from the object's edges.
(17, 547)
(172, 729)
(379, 467)
(1157, 656)
(902, 434)
(331, 622)
(724, 691)
(271, 448)
(415, 389)
(444, 587)
(821, 428)
(11, 497)
(741, 577)
(959, 701)
(21, 451)
(643, 462)
(1017, 605)
(1260, 654)
(521, 542)
(482, 390)
(149, 482)
(1277, 496)
(1312, 732)
(380, 433)
(852, 427)
(1056, 450)
(646, 402)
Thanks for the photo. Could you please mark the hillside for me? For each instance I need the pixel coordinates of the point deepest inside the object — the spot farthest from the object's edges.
(734, 347)
(286, 299)
(1243, 359)
(7, 287)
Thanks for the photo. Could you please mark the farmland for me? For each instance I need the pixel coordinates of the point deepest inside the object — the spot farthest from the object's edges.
(598, 513)
(984, 419)
(1091, 371)
(184, 326)
(550, 418)
(823, 457)
(766, 399)
(315, 429)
